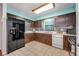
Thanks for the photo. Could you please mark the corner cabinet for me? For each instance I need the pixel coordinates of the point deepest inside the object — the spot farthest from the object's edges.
(29, 37)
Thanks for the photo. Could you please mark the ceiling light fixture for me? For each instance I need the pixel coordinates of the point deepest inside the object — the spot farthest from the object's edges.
(43, 8)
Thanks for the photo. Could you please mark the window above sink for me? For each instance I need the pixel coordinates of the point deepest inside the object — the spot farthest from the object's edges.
(48, 24)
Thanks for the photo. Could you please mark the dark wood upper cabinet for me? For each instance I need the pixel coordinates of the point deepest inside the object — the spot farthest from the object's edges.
(32, 24)
(60, 21)
(70, 19)
(36, 24)
(65, 20)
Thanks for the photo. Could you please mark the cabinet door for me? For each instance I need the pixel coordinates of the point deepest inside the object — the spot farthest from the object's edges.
(29, 37)
(0, 53)
(60, 21)
(37, 24)
(41, 38)
(44, 38)
(26, 38)
(32, 25)
(66, 43)
(70, 19)
(49, 39)
(74, 19)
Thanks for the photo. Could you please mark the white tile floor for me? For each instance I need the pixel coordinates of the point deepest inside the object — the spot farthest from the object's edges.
(38, 49)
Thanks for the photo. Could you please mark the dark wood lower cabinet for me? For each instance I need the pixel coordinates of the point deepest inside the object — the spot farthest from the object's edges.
(0, 53)
(29, 37)
(66, 44)
(40, 37)
(44, 38)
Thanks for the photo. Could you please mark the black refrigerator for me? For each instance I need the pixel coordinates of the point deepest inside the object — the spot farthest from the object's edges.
(15, 34)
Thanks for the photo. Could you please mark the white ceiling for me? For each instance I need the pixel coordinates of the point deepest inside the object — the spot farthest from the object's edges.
(27, 8)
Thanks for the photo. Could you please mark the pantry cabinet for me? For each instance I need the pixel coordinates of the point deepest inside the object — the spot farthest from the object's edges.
(60, 21)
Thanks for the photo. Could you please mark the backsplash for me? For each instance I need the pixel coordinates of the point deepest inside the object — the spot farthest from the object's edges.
(59, 30)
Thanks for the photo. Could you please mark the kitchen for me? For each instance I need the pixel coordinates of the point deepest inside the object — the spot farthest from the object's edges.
(55, 28)
(57, 36)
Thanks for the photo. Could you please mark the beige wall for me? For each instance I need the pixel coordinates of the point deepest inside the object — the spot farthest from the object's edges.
(77, 24)
(4, 30)
(0, 22)
(0, 35)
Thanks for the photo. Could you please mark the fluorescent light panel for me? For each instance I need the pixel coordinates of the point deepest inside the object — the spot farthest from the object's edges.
(44, 8)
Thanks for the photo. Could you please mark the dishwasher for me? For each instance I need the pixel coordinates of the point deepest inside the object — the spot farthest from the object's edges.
(57, 41)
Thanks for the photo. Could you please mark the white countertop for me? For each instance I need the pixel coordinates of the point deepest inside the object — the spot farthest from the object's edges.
(29, 32)
(50, 32)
